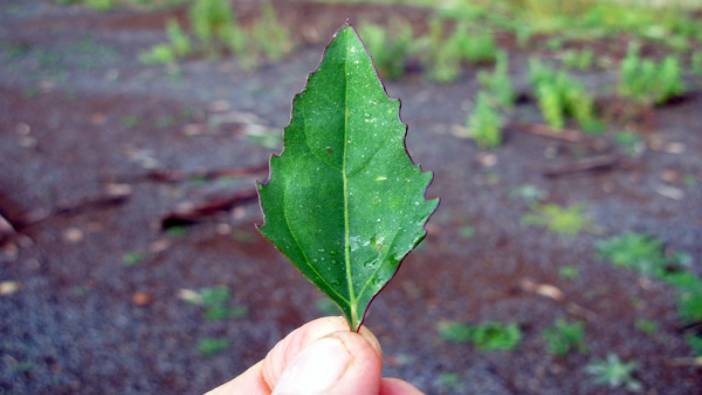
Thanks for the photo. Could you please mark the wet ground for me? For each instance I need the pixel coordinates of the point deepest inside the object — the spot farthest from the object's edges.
(83, 124)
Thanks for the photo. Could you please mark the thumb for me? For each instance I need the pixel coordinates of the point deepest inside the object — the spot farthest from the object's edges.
(340, 363)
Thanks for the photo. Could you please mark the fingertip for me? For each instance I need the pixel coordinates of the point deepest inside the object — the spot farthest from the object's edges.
(393, 386)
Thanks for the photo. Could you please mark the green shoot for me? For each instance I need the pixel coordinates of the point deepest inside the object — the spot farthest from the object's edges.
(641, 252)
(648, 82)
(485, 123)
(578, 59)
(487, 336)
(390, 48)
(450, 381)
(614, 373)
(270, 35)
(648, 327)
(560, 95)
(564, 337)
(215, 301)
(569, 272)
(498, 83)
(210, 346)
(132, 258)
(568, 221)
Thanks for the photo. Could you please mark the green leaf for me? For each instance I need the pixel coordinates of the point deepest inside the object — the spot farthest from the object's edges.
(344, 201)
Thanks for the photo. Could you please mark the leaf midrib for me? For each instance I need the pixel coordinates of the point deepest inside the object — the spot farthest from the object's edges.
(345, 182)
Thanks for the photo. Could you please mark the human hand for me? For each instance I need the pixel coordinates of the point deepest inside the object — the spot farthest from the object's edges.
(320, 357)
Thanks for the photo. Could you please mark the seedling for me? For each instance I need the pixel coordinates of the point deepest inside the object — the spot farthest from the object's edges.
(215, 301)
(694, 340)
(568, 221)
(487, 336)
(569, 272)
(630, 142)
(696, 62)
(467, 232)
(614, 373)
(529, 193)
(641, 252)
(498, 83)
(269, 35)
(444, 53)
(454, 331)
(344, 202)
(649, 82)
(560, 95)
(132, 258)
(485, 123)
(474, 46)
(646, 326)
(210, 346)
(390, 48)
(178, 46)
(564, 337)
(578, 59)
(450, 381)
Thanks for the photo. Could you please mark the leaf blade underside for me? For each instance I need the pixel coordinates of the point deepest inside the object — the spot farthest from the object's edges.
(344, 202)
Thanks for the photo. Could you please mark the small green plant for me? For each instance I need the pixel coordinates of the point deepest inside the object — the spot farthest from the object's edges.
(132, 258)
(213, 22)
(444, 53)
(630, 142)
(529, 193)
(466, 232)
(578, 59)
(637, 251)
(178, 39)
(569, 272)
(450, 381)
(487, 336)
(496, 336)
(269, 35)
(485, 123)
(454, 331)
(614, 373)
(178, 46)
(694, 340)
(646, 326)
(560, 95)
(649, 82)
(474, 46)
(210, 346)
(215, 301)
(696, 62)
(390, 48)
(498, 83)
(564, 337)
(568, 221)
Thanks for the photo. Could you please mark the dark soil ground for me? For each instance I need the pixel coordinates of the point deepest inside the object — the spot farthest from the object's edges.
(81, 118)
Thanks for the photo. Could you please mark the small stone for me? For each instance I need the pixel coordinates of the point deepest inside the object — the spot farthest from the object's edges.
(159, 245)
(118, 190)
(8, 287)
(670, 192)
(23, 129)
(487, 159)
(142, 298)
(674, 148)
(73, 235)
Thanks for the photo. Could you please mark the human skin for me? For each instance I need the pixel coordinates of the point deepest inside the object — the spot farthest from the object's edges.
(320, 357)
